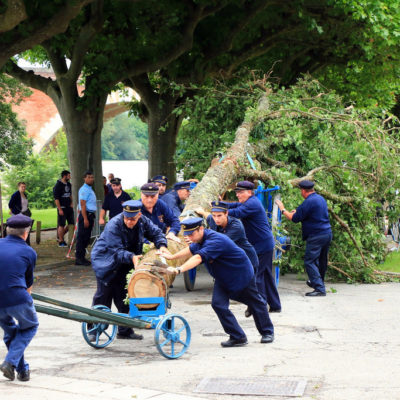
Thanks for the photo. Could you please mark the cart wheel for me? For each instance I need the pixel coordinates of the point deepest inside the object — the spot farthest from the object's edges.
(104, 333)
(189, 278)
(172, 336)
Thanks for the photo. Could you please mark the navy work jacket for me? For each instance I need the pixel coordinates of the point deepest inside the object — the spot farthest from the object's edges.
(174, 202)
(114, 204)
(163, 217)
(313, 215)
(15, 204)
(17, 262)
(255, 222)
(224, 260)
(118, 244)
(235, 231)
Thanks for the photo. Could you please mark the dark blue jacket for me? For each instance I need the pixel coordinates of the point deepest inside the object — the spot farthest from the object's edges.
(235, 231)
(255, 222)
(163, 217)
(17, 262)
(15, 203)
(225, 261)
(314, 216)
(174, 202)
(118, 244)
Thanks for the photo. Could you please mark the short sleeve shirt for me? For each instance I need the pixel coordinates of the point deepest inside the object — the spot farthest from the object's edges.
(113, 204)
(86, 193)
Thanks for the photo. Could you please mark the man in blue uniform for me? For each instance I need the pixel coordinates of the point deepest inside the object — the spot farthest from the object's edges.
(234, 279)
(87, 207)
(113, 201)
(258, 231)
(161, 181)
(220, 221)
(175, 198)
(316, 230)
(17, 262)
(116, 252)
(158, 212)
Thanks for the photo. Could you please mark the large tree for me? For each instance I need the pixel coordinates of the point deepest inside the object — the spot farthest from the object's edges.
(106, 43)
(292, 38)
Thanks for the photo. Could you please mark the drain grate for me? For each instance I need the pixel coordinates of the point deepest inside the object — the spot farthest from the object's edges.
(258, 386)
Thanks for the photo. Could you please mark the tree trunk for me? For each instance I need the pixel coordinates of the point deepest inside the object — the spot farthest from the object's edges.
(163, 129)
(83, 130)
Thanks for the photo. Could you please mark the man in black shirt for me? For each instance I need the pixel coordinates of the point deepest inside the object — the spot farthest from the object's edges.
(65, 213)
(113, 201)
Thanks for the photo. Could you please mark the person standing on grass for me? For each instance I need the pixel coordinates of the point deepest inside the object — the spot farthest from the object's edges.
(62, 192)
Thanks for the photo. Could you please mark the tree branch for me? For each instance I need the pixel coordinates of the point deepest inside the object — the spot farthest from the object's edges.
(86, 35)
(57, 24)
(15, 13)
(142, 85)
(347, 229)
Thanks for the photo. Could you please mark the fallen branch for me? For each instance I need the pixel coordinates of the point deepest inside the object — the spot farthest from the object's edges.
(339, 270)
(387, 273)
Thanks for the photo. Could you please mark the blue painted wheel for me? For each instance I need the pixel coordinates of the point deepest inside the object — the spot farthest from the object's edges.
(189, 278)
(172, 336)
(99, 335)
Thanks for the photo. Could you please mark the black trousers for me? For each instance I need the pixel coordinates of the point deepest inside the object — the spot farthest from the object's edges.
(83, 236)
(114, 291)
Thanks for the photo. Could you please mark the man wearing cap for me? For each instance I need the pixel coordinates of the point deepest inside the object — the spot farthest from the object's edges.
(62, 192)
(113, 201)
(258, 231)
(116, 252)
(87, 207)
(219, 220)
(175, 198)
(161, 182)
(229, 265)
(17, 262)
(316, 231)
(158, 212)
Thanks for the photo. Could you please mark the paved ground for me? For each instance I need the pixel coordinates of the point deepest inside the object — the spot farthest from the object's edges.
(346, 345)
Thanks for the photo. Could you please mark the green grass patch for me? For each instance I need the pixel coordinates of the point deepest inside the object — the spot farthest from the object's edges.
(392, 262)
(47, 217)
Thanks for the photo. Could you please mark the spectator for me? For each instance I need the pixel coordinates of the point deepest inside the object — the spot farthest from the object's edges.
(105, 186)
(87, 207)
(113, 201)
(110, 178)
(62, 192)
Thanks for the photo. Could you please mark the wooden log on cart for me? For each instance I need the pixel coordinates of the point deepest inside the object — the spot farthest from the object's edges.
(145, 282)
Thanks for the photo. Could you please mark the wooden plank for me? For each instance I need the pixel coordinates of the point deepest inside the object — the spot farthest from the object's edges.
(103, 315)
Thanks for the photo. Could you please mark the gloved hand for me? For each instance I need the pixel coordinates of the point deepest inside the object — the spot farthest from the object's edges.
(172, 270)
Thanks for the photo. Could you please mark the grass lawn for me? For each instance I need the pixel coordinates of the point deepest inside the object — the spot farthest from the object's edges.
(392, 262)
(47, 217)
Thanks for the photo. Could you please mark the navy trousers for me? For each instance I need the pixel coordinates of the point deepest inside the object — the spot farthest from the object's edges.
(18, 336)
(248, 296)
(114, 291)
(83, 236)
(265, 281)
(316, 259)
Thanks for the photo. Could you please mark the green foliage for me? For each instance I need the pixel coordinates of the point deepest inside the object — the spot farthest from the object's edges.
(14, 145)
(124, 138)
(134, 192)
(352, 154)
(40, 173)
(308, 128)
(213, 117)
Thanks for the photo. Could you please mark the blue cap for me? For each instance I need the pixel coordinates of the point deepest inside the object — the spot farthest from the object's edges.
(19, 221)
(150, 189)
(160, 179)
(189, 225)
(244, 185)
(182, 185)
(131, 208)
(306, 184)
(219, 206)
